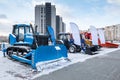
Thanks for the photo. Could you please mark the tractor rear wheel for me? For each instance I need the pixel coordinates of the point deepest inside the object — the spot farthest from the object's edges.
(72, 49)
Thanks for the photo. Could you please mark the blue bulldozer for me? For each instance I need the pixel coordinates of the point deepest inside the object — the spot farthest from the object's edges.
(30, 47)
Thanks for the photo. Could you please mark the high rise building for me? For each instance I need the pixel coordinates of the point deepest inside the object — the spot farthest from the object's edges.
(45, 15)
(57, 24)
(60, 25)
(63, 27)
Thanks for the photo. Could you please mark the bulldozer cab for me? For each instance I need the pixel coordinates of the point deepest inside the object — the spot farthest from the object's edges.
(21, 30)
(21, 33)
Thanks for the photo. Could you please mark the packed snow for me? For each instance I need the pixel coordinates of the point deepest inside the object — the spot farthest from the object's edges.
(14, 70)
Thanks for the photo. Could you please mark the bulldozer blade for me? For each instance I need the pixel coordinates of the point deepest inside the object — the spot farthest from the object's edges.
(47, 53)
(21, 59)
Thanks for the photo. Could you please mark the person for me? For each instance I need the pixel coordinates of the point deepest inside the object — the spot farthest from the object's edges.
(83, 45)
(3, 49)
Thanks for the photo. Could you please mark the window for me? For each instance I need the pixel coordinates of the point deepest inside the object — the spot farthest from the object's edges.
(27, 29)
(41, 21)
(41, 10)
(21, 34)
(16, 31)
(21, 30)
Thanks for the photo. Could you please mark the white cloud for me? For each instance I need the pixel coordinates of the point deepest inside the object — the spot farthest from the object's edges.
(5, 27)
(38, 2)
(64, 11)
(89, 1)
(5, 21)
(108, 16)
(3, 16)
(3, 1)
(67, 13)
(112, 10)
(114, 2)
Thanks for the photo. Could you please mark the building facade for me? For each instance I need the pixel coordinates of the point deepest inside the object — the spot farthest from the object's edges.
(60, 25)
(112, 33)
(57, 25)
(63, 27)
(45, 15)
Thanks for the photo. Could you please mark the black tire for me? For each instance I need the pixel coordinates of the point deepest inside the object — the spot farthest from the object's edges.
(79, 49)
(72, 49)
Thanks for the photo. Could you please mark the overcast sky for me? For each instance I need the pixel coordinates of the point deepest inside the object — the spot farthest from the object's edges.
(84, 13)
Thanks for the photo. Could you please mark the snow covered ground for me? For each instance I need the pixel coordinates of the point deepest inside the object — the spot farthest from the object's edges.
(14, 70)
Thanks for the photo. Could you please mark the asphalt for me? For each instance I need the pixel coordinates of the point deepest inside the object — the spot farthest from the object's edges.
(106, 67)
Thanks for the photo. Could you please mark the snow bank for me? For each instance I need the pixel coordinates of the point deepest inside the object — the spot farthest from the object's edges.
(14, 70)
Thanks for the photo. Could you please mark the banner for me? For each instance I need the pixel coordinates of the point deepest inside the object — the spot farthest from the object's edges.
(94, 35)
(75, 33)
(101, 36)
